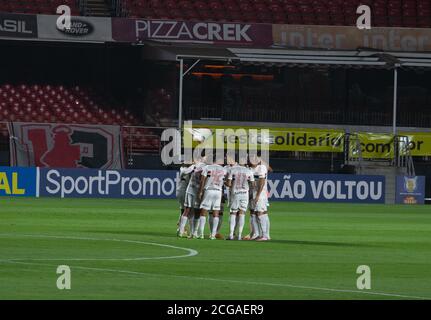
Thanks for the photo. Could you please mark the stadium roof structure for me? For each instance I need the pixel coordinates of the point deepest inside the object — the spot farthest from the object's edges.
(291, 57)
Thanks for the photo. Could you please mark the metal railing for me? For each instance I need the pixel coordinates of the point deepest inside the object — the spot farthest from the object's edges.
(284, 114)
(353, 151)
(142, 140)
(400, 159)
(402, 155)
(139, 140)
(136, 140)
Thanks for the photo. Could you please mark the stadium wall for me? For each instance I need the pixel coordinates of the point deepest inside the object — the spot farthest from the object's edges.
(161, 184)
(98, 29)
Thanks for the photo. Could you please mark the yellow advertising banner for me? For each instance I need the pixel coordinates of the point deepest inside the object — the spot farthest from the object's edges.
(278, 139)
(373, 145)
(381, 145)
(298, 139)
(419, 143)
(351, 38)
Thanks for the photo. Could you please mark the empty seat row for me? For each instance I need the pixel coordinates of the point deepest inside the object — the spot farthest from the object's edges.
(37, 6)
(48, 103)
(397, 13)
(73, 105)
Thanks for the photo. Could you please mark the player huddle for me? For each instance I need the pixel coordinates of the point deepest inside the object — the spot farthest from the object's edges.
(205, 189)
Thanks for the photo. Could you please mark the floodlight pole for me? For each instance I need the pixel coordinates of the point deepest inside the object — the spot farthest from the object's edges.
(394, 115)
(181, 84)
(180, 100)
(180, 96)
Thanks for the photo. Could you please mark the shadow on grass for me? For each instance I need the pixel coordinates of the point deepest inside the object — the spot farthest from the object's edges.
(277, 241)
(135, 233)
(321, 243)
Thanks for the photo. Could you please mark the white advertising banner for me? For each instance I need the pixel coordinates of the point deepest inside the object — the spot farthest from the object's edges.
(82, 29)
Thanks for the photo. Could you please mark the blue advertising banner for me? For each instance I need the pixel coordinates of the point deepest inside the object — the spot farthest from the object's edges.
(410, 190)
(326, 188)
(161, 184)
(19, 182)
(94, 183)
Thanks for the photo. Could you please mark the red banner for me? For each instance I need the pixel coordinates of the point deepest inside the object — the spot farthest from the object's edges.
(133, 30)
(65, 146)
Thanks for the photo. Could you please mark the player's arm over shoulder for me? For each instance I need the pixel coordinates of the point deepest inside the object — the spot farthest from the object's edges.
(262, 171)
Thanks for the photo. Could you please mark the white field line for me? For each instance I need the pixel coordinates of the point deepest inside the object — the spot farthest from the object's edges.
(190, 253)
(193, 253)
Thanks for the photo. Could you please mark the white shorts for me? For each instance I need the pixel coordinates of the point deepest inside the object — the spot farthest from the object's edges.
(261, 205)
(211, 200)
(191, 200)
(239, 201)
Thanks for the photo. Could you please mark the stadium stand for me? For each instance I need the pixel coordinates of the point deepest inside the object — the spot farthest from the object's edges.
(46, 103)
(306, 95)
(396, 13)
(4, 134)
(57, 103)
(37, 6)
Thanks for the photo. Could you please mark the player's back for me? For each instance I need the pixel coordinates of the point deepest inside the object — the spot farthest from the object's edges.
(215, 176)
(185, 173)
(195, 178)
(240, 177)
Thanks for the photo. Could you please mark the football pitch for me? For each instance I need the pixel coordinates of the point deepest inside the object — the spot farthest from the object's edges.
(128, 249)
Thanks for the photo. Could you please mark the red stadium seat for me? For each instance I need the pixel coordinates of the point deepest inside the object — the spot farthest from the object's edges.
(48, 103)
(396, 13)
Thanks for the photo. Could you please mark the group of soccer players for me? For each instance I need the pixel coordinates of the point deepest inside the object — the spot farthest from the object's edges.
(204, 190)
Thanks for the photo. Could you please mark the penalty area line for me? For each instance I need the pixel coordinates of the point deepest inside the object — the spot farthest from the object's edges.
(128, 272)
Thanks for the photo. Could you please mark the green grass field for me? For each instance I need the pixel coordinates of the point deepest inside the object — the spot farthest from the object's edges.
(116, 249)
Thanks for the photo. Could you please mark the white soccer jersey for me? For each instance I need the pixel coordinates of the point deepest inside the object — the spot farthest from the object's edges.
(184, 179)
(216, 175)
(240, 176)
(195, 178)
(185, 173)
(259, 172)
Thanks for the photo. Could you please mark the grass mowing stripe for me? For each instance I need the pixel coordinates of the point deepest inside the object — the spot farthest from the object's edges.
(316, 246)
(395, 295)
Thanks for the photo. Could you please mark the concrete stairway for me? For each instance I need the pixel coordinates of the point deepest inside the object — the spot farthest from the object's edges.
(383, 168)
(98, 8)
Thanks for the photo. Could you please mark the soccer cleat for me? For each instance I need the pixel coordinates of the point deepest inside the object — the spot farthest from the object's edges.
(247, 237)
(212, 237)
(255, 237)
(181, 235)
(229, 238)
